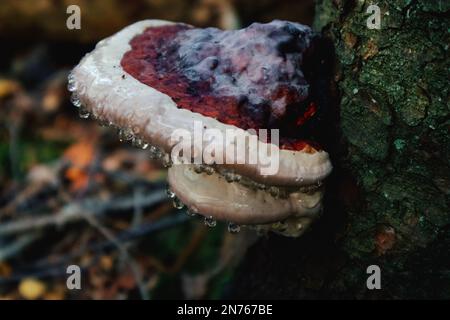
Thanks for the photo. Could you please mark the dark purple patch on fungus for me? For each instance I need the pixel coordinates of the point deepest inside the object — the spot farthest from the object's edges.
(261, 77)
(251, 78)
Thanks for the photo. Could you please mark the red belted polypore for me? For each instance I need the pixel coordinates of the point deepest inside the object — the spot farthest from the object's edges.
(156, 77)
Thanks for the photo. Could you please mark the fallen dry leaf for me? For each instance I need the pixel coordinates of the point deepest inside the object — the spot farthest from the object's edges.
(31, 288)
(5, 269)
(8, 87)
(106, 262)
(78, 177)
(55, 92)
(80, 155)
(58, 292)
(384, 239)
(126, 281)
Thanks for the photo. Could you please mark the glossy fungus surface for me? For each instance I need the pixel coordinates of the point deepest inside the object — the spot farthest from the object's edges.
(250, 78)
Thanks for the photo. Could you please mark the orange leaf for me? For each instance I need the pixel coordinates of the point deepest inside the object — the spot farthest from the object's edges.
(31, 288)
(80, 155)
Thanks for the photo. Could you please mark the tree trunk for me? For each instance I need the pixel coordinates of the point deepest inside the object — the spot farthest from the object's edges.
(387, 201)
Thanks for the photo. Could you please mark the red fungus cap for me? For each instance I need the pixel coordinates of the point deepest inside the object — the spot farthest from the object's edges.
(155, 77)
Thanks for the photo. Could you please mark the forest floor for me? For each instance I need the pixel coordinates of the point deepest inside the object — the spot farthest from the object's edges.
(72, 193)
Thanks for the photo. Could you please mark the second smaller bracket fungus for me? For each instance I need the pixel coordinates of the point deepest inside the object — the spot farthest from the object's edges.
(211, 195)
(155, 79)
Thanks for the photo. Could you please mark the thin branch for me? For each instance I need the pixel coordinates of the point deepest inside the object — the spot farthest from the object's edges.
(11, 250)
(123, 252)
(14, 150)
(138, 213)
(57, 267)
(75, 212)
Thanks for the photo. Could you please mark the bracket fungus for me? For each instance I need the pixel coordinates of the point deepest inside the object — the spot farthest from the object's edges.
(155, 78)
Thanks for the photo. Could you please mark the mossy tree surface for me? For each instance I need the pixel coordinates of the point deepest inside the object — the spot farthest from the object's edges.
(389, 203)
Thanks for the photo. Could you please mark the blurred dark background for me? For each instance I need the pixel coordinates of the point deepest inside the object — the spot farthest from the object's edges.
(71, 192)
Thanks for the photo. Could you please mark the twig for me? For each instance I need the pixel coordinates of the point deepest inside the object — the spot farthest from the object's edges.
(74, 212)
(137, 212)
(57, 268)
(17, 246)
(123, 252)
(14, 150)
(195, 241)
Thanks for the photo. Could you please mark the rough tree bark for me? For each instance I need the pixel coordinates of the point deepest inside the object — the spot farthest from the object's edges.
(387, 201)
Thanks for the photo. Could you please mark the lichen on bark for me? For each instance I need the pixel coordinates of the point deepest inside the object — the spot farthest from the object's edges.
(394, 114)
(392, 173)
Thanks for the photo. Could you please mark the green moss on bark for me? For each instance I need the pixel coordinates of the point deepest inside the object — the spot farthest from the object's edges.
(395, 118)
(387, 201)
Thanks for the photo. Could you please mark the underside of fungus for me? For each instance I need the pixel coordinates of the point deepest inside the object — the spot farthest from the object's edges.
(156, 77)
